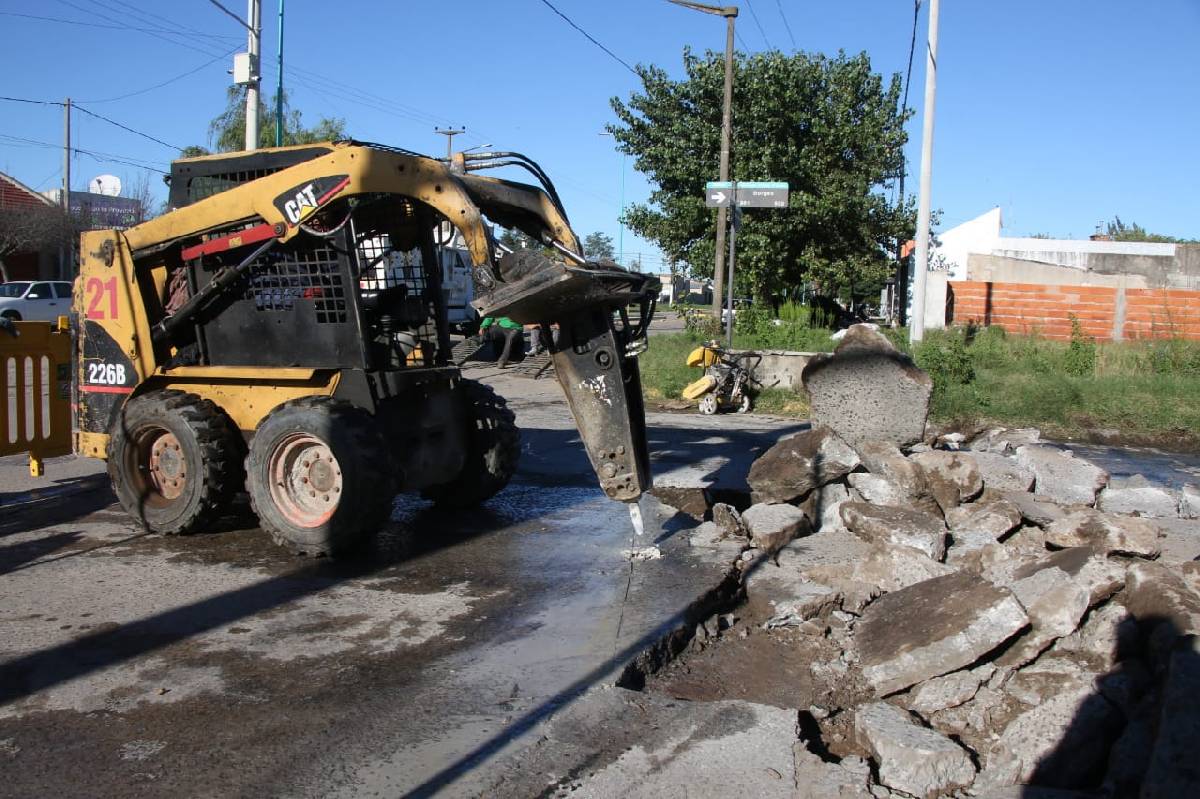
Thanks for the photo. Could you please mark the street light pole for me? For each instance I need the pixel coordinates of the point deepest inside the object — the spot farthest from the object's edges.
(254, 18)
(916, 325)
(730, 13)
(449, 133)
(279, 85)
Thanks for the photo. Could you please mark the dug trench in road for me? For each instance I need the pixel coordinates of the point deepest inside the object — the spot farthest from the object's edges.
(146, 665)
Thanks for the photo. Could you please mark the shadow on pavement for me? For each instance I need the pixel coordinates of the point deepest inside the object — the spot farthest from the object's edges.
(64, 501)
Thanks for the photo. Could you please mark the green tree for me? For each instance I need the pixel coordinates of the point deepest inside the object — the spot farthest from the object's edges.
(598, 246)
(227, 131)
(1120, 231)
(827, 126)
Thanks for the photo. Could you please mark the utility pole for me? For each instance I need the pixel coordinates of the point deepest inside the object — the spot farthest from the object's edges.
(66, 195)
(916, 325)
(279, 85)
(253, 46)
(733, 232)
(730, 13)
(449, 133)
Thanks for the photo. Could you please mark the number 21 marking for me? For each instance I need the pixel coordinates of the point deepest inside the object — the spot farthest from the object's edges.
(101, 287)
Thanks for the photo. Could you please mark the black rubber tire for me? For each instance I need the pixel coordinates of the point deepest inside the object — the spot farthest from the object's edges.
(493, 450)
(209, 447)
(13, 316)
(365, 491)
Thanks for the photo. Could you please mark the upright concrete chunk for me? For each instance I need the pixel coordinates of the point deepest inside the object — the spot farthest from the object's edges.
(934, 627)
(798, 464)
(868, 390)
(1055, 604)
(896, 525)
(911, 758)
(1061, 476)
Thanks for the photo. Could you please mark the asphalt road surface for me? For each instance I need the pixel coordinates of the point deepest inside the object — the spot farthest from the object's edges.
(218, 665)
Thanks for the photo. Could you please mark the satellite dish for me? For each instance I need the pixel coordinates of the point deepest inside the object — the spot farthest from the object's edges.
(108, 185)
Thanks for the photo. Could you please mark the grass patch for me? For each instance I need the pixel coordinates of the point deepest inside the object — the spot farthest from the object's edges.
(1141, 389)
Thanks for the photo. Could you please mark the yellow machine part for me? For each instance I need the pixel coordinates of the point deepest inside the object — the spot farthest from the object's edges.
(702, 356)
(699, 388)
(35, 391)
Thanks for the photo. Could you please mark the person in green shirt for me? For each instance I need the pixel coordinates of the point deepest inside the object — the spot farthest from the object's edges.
(500, 327)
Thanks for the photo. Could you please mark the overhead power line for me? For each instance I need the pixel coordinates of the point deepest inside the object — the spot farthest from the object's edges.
(786, 26)
(89, 24)
(167, 82)
(590, 38)
(97, 116)
(128, 160)
(758, 24)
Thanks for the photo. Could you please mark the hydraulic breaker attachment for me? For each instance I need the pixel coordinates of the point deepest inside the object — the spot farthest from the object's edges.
(595, 353)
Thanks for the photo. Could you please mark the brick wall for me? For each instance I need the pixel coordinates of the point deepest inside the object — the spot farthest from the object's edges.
(1104, 312)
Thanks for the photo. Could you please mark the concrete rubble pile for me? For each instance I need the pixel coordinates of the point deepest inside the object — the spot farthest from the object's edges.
(1005, 613)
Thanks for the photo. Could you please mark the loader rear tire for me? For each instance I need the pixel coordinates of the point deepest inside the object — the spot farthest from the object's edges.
(175, 461)
(317, 476)
(493, 450)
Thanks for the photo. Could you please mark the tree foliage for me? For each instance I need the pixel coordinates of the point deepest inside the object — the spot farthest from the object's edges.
(827, 126)
(598, 246)
(1118, 230)
(227, 131)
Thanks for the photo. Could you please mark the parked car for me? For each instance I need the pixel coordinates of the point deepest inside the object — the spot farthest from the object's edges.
(33, 301)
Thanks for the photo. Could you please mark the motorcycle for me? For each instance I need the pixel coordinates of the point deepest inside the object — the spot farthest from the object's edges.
(728, 379)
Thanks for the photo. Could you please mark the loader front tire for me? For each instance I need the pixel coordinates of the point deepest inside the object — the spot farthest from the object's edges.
(175, 461)
(317, 476)
(493, 450)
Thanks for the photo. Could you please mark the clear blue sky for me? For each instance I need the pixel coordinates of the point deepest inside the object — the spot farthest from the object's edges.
(1063, 113)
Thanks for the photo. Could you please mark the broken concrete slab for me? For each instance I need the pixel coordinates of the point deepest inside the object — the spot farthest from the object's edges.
(1108, 634)
(807, 601)
(997, 518)
(693, 501)
(1155, 595)
(1062, 477)
(820, 779)
(952, 477)
(1036, 509)
(878, 490)
(1061, 743)
(772, 525)
(1174, 769)
(1001, 440)
(950, 690)
(656, 746)
(1138, 496)
(1002, 473)
(868, 391)
(896, 525)
(887, 567)
(1189, 502)
(1055, 605)
(796, 465)
(884, 459)
(826, 503)
(1179, 539)
(729, 520)
(911, 758)
(933, 628)
(965, 549)
(1105, 533)
(1100, 576)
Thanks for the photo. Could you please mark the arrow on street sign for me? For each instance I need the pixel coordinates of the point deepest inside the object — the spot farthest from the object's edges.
(717, 199)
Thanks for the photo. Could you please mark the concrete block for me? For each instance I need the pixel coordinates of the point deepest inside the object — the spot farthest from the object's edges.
(1105, 533)
(869, 391)
(896, 525)
(1061, 476)
(771, 526)
(1002, 473)
(933, 628)
(796, 465)
(1137, 495)
(911, 758)
(952, 477)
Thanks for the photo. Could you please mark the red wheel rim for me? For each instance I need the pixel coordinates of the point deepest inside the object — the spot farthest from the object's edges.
(305, 479)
